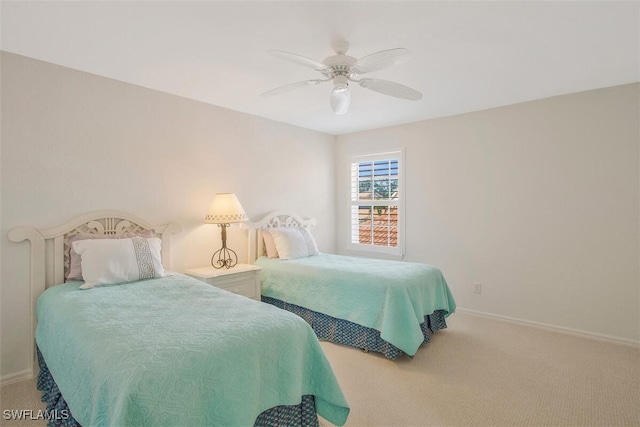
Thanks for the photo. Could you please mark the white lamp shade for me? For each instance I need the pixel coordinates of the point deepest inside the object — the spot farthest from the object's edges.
(225, 208)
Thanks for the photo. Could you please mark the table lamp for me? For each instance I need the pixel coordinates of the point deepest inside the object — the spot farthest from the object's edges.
(224, 210)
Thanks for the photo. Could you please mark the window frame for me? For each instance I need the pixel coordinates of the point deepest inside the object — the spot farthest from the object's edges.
(387, 251)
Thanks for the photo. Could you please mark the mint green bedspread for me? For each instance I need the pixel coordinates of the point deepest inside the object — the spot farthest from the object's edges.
(178, 352)
(391, 297)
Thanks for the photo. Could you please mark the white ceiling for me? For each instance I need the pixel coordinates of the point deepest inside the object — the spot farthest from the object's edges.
(467, 56)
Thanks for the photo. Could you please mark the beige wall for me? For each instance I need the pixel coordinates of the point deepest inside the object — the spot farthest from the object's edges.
(73, 142)
(536, 201)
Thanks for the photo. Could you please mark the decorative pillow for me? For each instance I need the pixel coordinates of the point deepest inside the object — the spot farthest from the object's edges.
(269, 244)
(311, 242)
(116, 261)
(75, 267)
(294, 242)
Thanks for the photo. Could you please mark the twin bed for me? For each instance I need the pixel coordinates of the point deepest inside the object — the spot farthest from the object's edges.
(390, 307)
(166, 349)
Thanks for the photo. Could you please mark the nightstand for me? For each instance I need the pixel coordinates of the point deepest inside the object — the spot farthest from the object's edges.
(242, 279)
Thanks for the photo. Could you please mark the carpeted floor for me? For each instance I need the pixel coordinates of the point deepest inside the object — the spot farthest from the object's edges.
(478, 372)
(486, 372)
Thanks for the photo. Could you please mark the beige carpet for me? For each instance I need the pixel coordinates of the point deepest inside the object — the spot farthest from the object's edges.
(485, 372)
(478, 372)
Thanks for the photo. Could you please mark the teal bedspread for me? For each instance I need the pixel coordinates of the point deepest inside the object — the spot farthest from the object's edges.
(177, 352)
(391, 297)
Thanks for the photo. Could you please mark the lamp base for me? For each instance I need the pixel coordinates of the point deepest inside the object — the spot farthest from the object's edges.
(224, 257)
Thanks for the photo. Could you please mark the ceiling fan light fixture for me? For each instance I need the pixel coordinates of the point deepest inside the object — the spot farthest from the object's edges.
(340, 99)
(340, 84)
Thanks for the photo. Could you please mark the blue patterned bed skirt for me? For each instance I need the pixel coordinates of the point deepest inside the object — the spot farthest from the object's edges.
(342, 331)
(303, 414)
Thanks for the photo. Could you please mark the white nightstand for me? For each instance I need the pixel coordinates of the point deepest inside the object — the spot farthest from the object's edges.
(243, 279)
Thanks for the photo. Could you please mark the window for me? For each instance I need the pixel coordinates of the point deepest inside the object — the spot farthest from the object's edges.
(377, 203)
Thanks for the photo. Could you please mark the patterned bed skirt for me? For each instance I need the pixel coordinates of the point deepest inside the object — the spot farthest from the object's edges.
(303, 414)
(342, 331)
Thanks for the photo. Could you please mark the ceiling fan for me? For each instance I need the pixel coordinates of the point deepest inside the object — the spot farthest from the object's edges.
(342, 69)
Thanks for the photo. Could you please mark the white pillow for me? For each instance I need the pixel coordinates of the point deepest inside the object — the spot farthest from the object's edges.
(116, 261)
(294, 242)
(269, 244)
(311, 242)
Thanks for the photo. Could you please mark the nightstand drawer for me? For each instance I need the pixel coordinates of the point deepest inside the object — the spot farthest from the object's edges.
(243, 279)
(231, 280)
(245, 289)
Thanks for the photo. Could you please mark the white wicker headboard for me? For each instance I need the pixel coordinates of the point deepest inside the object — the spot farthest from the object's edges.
(274, 219)
(50, 248)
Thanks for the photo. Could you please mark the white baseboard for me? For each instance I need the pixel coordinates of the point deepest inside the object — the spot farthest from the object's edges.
(560, 329)
(27, 374)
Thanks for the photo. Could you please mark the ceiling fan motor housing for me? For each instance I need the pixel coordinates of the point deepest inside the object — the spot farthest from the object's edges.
(339, 65)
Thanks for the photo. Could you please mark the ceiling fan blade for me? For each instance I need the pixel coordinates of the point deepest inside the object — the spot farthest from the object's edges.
(291, 86)
(340, 100)
(390, 88)
(299, 59)
(381, 60)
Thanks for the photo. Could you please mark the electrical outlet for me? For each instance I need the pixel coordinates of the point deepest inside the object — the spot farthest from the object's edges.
(477, 288)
